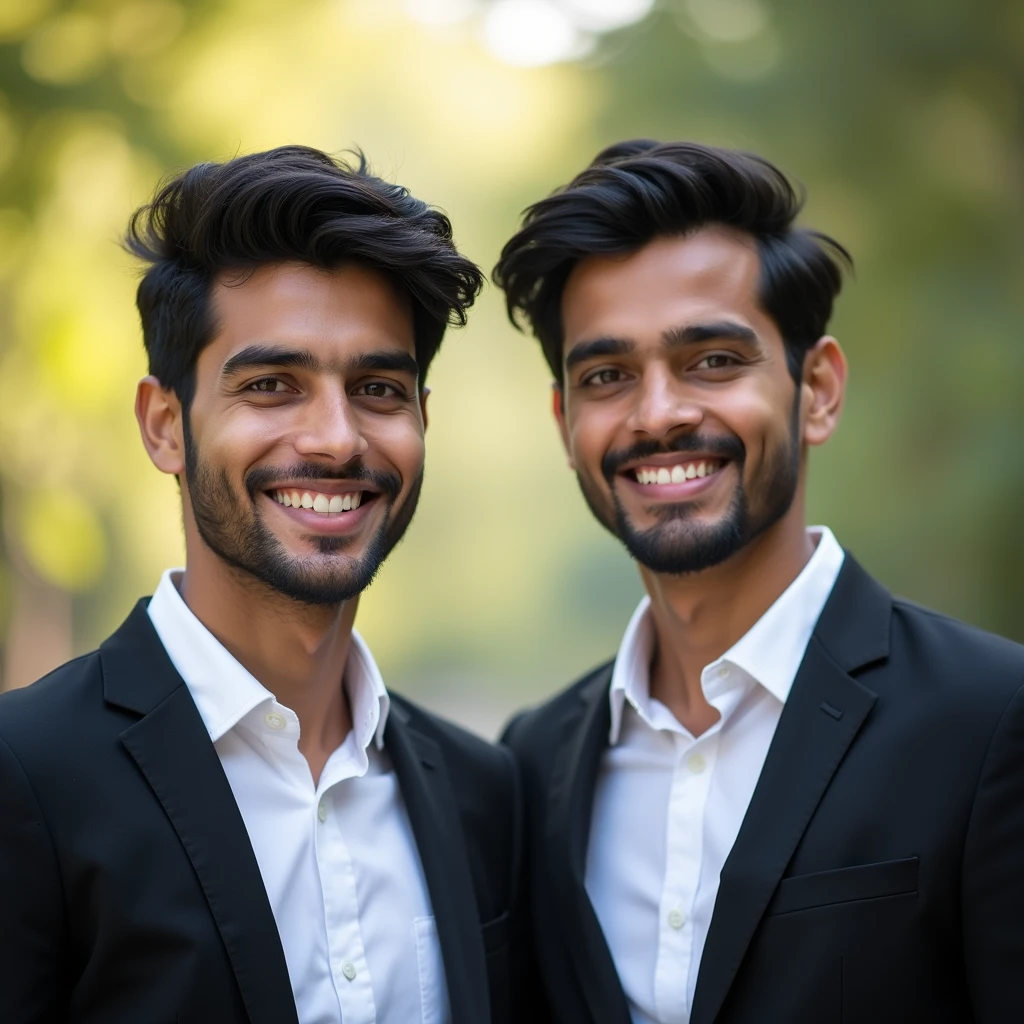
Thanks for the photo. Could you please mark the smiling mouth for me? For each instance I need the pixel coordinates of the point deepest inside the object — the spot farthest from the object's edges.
(679, 473)
(317, 501)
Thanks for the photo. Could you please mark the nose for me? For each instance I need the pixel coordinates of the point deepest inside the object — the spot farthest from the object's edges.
(330, 429)
(662, 405)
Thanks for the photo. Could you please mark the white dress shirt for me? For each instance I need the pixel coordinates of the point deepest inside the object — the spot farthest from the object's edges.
(338, 860)
(668, 805)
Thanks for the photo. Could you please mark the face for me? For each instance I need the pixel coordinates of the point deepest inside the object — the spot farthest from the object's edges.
(678, 410)
(304, 442)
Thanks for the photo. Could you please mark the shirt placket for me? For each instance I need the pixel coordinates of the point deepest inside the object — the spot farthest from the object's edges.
(691, 780)
(347, 957)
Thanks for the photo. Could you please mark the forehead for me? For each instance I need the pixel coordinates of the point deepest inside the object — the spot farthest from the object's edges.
(330, 312)
(712, 273)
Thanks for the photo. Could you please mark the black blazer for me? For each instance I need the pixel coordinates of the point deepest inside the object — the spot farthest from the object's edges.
(129, 891)
(878, 876)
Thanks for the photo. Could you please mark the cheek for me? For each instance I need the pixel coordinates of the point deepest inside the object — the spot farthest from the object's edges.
(757, 413)
(398, 441)
(591, 436)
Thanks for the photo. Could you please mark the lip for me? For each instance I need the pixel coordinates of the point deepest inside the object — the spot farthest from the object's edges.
(337, 524)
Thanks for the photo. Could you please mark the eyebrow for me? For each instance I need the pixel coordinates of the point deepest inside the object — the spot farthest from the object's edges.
(254, 356)
(715, 330)
(597, 348)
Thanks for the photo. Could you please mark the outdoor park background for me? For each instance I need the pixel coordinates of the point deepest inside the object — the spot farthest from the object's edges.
(905, 121)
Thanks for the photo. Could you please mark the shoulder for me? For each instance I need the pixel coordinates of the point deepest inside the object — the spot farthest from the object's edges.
(34, 717)
(542, 726)
(954, 649)
(945, 677)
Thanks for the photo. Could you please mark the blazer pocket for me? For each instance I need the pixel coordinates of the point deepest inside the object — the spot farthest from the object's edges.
(845, 885)
(495, 934)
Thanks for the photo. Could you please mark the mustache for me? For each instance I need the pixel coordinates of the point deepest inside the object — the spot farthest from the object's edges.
(264, 477)
(725, 446)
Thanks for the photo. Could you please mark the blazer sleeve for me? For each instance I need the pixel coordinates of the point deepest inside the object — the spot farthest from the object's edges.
(993, 877)
(31, 904)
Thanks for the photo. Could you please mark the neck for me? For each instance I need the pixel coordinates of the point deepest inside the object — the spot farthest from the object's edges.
(699, 616)
(297, 651)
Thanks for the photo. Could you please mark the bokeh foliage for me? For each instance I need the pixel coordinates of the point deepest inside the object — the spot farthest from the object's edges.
(904, 121)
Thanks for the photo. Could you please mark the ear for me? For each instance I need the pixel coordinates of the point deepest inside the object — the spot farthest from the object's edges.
(558, 408)
(824, 390)
(159, 415)
(424, 392)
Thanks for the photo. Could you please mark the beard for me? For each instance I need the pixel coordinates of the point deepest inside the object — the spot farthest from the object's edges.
(233, 528)
(678, 544)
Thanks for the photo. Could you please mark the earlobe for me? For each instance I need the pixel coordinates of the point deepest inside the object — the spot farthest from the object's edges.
(824, 379)
(158, 412)
(558, 409)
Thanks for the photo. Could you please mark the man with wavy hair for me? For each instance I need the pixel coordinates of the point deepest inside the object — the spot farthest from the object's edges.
(791, 798)
(222, 815)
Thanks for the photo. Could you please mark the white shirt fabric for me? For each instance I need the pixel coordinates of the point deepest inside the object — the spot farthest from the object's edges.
(668, 806)
(338, 860)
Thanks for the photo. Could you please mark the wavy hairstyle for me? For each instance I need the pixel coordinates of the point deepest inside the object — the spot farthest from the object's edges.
(639, 190)
(293, 203)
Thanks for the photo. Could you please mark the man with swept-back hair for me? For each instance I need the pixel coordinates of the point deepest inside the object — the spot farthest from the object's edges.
(791, 798)
(222, 815)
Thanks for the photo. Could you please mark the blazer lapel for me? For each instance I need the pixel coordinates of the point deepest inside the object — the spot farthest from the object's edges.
(570, 806)
(172, 748)
(434, 817)
(823, 714)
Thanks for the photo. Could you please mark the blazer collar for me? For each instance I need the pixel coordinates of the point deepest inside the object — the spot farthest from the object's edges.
(570, 804)
(172, 749)
(826, 709)
(434, 817)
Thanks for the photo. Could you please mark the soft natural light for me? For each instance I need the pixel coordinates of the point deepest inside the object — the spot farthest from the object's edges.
(530, 33)
(440, 12)
(606, 15)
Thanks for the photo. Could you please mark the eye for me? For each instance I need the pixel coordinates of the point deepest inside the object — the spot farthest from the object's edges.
(605, 376)
(379, 389)
(717, 361)
(268, 386)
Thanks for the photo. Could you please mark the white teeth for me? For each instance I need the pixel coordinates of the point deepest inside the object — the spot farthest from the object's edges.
(325, 504)
(677, 474)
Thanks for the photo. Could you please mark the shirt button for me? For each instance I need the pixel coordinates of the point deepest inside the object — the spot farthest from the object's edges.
(696, 763)
(275, 721)
(348, 969)
(676, 919)
(321, 811)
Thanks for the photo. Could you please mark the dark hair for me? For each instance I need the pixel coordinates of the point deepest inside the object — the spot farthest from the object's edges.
(287, 204)
(639, 190)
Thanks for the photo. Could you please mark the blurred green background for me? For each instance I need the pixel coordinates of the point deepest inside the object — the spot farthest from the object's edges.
(904, 121)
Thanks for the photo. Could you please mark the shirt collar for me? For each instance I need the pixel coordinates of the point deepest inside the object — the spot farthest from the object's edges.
(225, 691)
(769, 653)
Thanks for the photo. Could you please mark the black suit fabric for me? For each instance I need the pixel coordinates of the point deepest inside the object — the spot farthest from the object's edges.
(129, 891)
(878, 875)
